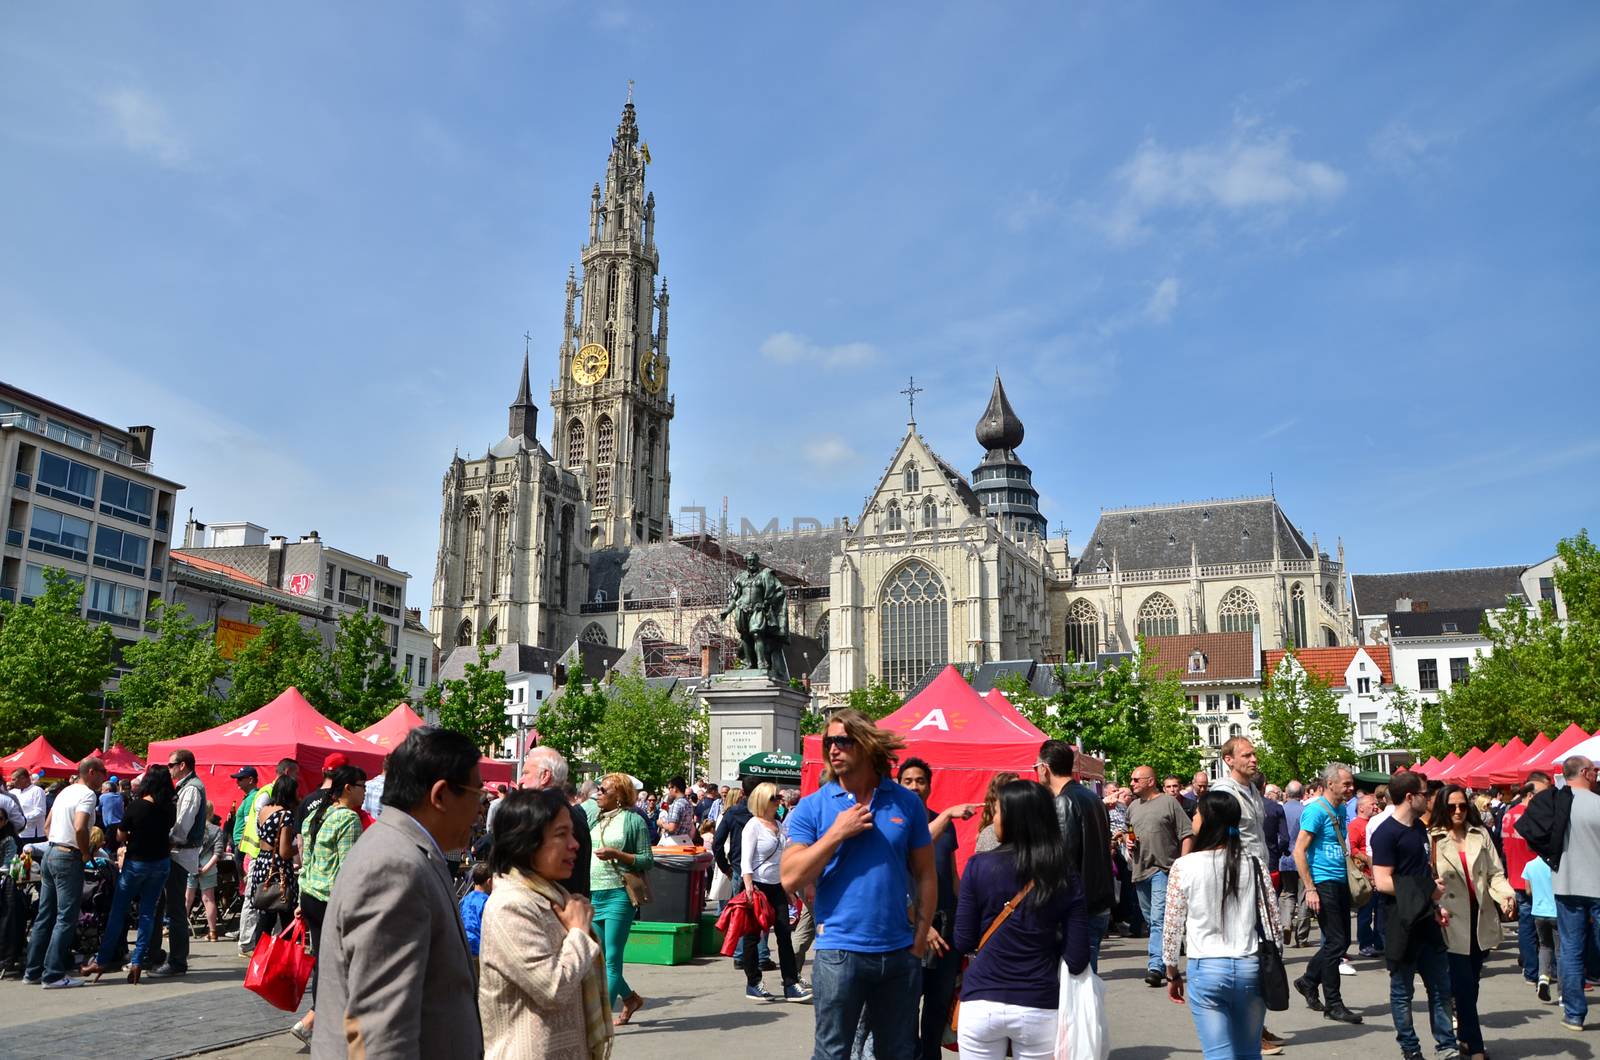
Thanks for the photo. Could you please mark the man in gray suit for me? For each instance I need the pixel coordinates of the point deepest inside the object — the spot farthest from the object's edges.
(395, 975)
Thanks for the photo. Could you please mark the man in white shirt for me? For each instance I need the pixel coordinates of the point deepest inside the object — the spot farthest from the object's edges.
(187, 834)
(31, 798)
(61, 892)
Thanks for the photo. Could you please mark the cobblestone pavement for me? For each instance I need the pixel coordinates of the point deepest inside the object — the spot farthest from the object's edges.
(693, 1008)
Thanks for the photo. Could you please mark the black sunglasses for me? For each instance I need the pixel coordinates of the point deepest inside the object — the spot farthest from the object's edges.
(844, 743)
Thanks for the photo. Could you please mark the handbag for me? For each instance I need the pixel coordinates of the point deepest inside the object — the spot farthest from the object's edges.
(271, 895)
(638, 888)
(1274, 978)
(280, 967)
(953, 1024)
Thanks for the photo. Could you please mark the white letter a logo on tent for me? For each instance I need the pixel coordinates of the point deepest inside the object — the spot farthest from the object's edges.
(935, 718)
(243, 730)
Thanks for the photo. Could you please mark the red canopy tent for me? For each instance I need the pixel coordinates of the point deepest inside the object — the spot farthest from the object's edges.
(389, 730)
(288, 727)
(1509, 770)
(966, 738)
(1428, 768)
(1444, 766)
(1482, 775)
(39, 757)
(1558, 750)
(120, 762)
(1464, 763)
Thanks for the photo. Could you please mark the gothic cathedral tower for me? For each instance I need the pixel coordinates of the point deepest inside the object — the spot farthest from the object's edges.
(611, 404)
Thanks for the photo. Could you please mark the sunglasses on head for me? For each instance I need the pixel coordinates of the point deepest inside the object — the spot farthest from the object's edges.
(843, 743)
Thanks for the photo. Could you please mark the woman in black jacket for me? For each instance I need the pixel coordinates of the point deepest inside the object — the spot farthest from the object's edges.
(146, 852)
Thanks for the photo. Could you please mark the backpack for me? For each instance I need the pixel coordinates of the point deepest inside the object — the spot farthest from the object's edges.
(1544, 824)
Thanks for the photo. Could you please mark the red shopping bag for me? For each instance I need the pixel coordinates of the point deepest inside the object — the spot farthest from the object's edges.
(280, 967)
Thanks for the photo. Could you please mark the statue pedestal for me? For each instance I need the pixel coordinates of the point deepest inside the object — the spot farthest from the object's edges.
(750, 714)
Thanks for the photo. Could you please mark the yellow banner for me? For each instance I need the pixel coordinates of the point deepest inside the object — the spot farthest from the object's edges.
(231, 636)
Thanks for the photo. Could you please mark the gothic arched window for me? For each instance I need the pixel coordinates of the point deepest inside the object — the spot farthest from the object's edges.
(1238, 612)
(464, 634)
(501, 535)
(708, 630)
(892, 517)
(472, 547)
(1330, 639)
(1158, 617)
(1297, 614)
(605, 448)
(593, 634)
(914, 625)
(912, 478)
(821, 631)
(648, 630)
(575, 443)
(930, 513)
(1083, 631)
(491, 632)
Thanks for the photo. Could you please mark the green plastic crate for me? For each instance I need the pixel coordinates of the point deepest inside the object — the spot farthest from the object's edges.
(707, 939)
(652, 942)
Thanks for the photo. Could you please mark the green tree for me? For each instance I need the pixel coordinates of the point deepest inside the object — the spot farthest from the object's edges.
(1539, 674)
(360, 680)
(283, 655)
(1417, 725)
(53, 665)
(875, 699)
(170, 689)
(1300, 728)
(652, 733)
(474, 703)
(569, 721)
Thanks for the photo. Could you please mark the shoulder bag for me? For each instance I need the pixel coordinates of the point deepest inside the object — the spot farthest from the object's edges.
(1274, 978)
(634, 884)
(994, 925)
(1360, 886)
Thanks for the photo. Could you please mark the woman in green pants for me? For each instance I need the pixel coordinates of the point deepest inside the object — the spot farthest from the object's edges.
(621, 845)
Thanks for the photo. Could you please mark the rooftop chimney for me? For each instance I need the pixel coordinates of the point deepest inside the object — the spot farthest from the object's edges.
(1403, 604)
(275, 561)
(143, 439)
(382, 560)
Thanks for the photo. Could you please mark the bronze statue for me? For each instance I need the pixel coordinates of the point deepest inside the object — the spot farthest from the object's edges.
(759, 604)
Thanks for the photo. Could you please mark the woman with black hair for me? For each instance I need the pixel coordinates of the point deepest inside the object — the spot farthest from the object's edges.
(275, 863)
(326, 839)
(542, 987)
(146, 829)
(1021, 910)
(1220, 905)
(1476, 891)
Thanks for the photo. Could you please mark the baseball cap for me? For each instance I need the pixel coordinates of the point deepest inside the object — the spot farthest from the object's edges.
(245, 771)
(337, 760)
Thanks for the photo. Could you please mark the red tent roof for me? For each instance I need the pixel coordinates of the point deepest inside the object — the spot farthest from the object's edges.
(1482, 775)
(1559, 748)
(1427, 768)
(1462, 765)
(1512, 770)
(389, 730)
(120, 762)
(40, 757)
(1445, 763)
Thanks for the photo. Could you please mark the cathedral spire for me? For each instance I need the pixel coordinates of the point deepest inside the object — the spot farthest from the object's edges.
(999, 427)
(1003, 483)
(524, 414)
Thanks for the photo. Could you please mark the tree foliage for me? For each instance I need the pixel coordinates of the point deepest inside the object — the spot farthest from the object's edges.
(875, 699)
(53, 665)
(283, 655)
(1300, 727)
(359, 679)
(570, 721)
(652, 733)
(170, 689)
(1540, 674)
(474, 703)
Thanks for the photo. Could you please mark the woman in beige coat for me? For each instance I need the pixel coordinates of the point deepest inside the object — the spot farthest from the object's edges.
(1475, 893)
(541, 980)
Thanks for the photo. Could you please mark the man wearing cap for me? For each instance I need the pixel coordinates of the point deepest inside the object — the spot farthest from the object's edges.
(309, 804)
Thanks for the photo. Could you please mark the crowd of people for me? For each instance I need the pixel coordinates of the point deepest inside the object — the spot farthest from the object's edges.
(452, 919)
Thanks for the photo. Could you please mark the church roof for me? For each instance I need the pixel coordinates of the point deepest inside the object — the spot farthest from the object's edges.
(652, 571)
(1221, 531)
(999, 427)
(1437, 590)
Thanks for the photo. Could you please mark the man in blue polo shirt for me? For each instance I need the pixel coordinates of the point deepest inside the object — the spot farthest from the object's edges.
(863, 840)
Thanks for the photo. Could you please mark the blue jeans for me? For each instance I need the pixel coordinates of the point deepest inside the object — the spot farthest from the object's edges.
(762, 952)
(1099, 924)
(1370, 921)
(1527, 938)
(1578, 928)
(1434, 964)
(142, 880)
(55, 928)
(1229, 1011)
(887, 985)
(1153, 904)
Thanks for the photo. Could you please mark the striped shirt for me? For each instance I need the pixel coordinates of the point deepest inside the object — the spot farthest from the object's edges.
(320, 861)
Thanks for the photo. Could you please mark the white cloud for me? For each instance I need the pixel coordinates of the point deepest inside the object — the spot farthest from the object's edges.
(144, 126)
(1163, 300)
(828, 450)
(785, 347)
(1249, 171)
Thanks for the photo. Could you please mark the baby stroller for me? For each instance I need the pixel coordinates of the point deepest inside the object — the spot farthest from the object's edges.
(99, 889)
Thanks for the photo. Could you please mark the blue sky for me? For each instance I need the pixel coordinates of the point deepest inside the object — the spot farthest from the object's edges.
(1352, 249)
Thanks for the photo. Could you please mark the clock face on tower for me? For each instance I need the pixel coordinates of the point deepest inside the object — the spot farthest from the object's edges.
(650, 372)
(589, 366)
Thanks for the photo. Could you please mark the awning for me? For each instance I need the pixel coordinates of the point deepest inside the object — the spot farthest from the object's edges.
(777, 766)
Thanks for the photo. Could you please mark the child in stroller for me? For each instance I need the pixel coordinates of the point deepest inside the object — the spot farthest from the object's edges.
(99, 888)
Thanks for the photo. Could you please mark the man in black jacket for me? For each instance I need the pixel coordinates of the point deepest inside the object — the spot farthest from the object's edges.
(1086, 831)
(727, 846)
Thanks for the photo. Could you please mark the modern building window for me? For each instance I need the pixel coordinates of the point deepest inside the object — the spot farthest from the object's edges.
(422, 670)
(71, 435)
(66, 480)
(1158, 617)
(1428, 674)
(1235, 702)
(387, 599)
(127, 500)
(914, 624)
(1238, 613)
(1297, 615)
(56, 534)
(355, 589)
(1459, 671)
(116, 550)
(1214, 701)
(328, 573)
(1369, 728)
(33, 583)
(411, 662)
(1083, 631)
(121, 605)
(1547, 589)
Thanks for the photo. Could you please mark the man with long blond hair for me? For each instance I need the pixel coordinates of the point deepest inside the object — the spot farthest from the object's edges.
(863, 840)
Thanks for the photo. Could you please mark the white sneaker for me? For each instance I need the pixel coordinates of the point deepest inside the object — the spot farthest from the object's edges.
(66, 982)
(1346, 968)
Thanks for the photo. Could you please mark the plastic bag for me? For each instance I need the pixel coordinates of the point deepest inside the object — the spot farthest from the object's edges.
(1082, 1029)
(280, 967)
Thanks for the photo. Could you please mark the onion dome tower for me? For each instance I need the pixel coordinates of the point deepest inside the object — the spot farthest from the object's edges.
(1003, 483)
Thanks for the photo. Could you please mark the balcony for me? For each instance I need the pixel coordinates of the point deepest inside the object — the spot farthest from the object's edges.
(14, 537)
(25, 421)
(23, 480)
(126, 621)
